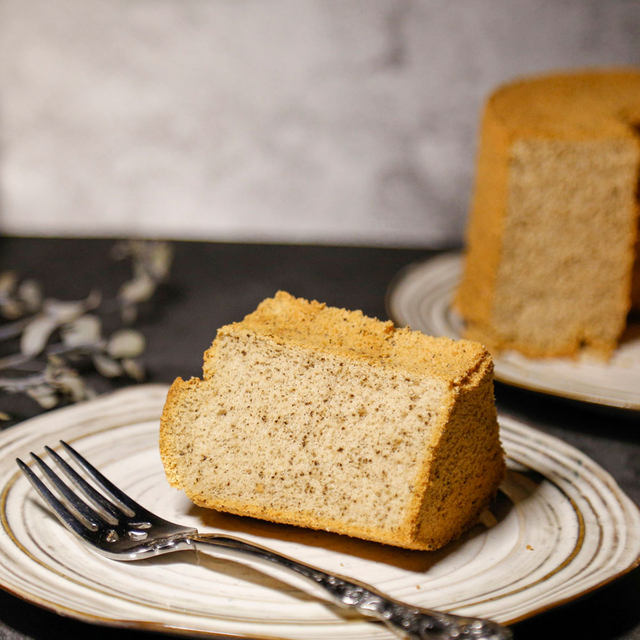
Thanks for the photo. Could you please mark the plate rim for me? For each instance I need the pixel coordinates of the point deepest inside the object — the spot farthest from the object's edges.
(400, 279)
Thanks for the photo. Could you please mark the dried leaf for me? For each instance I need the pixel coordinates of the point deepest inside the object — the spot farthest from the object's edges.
(11, 309)
(8, 281)
(4, 416)
(126, 343)
(93, 300)
(30, 293)
(20, 384)
(66, 311)
(70, 383)
(66, 380)
(159, 261)
(139, 289)
(106, 366)
(55, 363)
(134, 369)
(36, 334)
(83, 331)
(44, 395)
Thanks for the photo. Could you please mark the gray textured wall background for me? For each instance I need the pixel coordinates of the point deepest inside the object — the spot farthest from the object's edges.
(287, 120)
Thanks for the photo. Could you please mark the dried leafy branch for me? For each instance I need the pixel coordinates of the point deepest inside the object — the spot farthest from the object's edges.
(57, 338)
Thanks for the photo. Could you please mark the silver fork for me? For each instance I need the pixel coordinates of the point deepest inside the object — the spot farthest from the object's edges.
(119, 528)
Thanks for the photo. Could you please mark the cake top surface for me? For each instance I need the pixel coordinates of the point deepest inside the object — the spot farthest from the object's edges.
(335, 331)
(575, 105)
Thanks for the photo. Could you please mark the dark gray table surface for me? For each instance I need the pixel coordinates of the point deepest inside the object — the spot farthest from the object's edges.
(212, 284)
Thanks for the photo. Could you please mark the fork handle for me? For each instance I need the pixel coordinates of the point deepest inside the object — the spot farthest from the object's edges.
(406, 621)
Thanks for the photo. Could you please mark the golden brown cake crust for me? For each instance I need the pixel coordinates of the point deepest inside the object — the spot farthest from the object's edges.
(340, 332)
(577, 105)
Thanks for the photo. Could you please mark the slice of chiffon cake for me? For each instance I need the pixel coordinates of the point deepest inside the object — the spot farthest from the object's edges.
(325, 418)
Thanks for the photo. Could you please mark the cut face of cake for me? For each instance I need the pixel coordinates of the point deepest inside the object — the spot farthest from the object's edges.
(551, 241)
(325, 418)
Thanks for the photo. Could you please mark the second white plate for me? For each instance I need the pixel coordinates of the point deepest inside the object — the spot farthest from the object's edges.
(420, 297)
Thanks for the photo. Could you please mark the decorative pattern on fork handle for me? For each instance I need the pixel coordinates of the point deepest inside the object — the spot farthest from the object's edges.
(404, 620)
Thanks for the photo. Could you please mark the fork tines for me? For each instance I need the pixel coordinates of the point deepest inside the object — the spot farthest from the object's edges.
(71, 509)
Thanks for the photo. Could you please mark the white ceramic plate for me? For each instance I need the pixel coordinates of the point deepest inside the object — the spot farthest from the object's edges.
(562, 528)
(420, 297)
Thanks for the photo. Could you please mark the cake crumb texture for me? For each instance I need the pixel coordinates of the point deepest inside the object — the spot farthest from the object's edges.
(324, 418)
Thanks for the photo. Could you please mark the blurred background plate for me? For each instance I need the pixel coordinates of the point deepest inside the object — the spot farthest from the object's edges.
(420, 297)
(561, 527)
